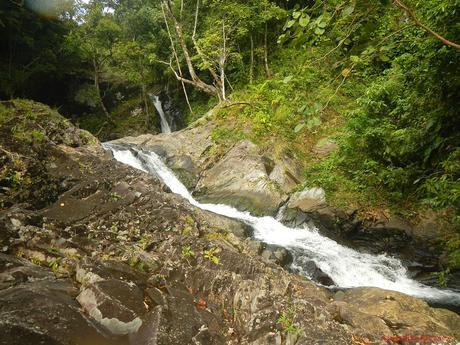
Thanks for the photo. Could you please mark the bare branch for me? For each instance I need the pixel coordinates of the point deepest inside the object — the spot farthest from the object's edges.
(177, 60)
(197, 82)
(203, 57)
(424, 27)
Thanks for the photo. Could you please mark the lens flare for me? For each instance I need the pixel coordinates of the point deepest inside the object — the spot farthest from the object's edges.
(48, 8)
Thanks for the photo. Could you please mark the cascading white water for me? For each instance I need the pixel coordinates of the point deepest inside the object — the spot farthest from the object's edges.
(347, 267)
(165, 128)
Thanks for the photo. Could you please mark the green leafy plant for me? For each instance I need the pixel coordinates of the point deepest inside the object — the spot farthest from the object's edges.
(54, 264)
(35, 260)
(53, 250)
(286, 320)
(137, 263)
(115, 196)
(187, 252)
(211, 256)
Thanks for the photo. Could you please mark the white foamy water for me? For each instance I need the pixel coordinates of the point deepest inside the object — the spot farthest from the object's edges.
(165, 128)
(347, 267)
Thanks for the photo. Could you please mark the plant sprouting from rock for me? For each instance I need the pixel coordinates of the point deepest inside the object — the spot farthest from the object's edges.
(187, 252)
(211, 256)
(286, 320)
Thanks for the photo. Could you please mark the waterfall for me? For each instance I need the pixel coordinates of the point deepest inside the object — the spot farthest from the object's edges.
(347, 267)
(165, 128)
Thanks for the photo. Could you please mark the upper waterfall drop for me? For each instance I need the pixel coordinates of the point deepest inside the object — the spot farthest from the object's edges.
(165, 127)
(347, 267)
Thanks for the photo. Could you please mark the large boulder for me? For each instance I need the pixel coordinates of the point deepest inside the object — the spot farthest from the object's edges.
(242, 179)
(381, 313)
(185, 151)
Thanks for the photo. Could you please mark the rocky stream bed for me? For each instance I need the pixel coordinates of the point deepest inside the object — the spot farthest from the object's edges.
(95, 252)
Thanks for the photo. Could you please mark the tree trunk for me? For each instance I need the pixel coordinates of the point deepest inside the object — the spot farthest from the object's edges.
(251, 65)
(181, 39)
(267, 68)
(98, 91)
(177, 61)
(223, 58)
(195, 80)
(146, 106)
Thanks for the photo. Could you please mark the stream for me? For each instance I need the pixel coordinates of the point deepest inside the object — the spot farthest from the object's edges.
(347, 267)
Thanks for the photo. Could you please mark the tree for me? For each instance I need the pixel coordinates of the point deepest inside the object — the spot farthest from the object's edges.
(31, 48)
(194, 80)
(417, 22)
(215, 34)
(93, 40)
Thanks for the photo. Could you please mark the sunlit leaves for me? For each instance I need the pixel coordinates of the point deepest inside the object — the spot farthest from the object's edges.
(304, 20)
(348, 10)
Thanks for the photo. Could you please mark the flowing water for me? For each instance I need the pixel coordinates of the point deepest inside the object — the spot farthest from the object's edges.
(165, 128)
(346, 267)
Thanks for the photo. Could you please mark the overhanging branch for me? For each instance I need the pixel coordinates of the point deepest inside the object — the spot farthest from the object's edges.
(424, 27)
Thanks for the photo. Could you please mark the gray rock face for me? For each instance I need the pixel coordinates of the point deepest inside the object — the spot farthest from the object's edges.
(36, 308)
(325, 147)
(377, 312)
(183, 150)
(243, 177)
(307, 199)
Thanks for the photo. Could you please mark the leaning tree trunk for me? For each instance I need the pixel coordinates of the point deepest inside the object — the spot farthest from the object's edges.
(98, 91)
(195, 80)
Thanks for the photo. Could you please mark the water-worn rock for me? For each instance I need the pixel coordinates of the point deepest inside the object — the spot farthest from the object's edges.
(243, 176)
(401, 314)
(241, 179)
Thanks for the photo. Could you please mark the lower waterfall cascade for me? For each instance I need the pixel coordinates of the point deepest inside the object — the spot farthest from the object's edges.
(347, 267)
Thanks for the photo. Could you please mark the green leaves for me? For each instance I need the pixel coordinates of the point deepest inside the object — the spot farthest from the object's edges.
(311, 115)
(296, 14)
(288, 79)
(319, 31)
(290, 24)
(314, 122)
(348, 10)
(304, 20)
(299, 127)
(211, 256)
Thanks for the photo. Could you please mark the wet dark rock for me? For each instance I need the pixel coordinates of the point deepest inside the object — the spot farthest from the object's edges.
(35, 308)
(313, 271)
(159, 150)
(391, 236)
(278, 255)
